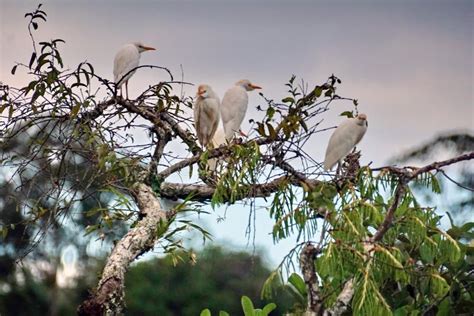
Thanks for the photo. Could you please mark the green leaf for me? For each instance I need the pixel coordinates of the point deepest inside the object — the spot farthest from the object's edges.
(444, 308)
(467, 227)
(161, 227)
(304, 125)
(90, 229)
(439, 286)
(261, 129)
(268, 308)
(271, 131)
(402, 311)
(270, 112)
(435, 187)
(427, 250)
(222, 313)
(318, 91)
(4, 231)
(288, 100)
(247, 306)
(32, 60)
(271, 282)
(206, 312)
(292, 79)
(298, 283)
(449, 247)
(349, 114)
(75, 109)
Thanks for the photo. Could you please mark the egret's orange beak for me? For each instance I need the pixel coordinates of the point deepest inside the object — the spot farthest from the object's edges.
(255, 87)
(148, 48)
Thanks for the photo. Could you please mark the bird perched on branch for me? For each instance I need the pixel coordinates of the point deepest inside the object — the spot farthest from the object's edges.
(346, 136)
(234, 106)
(206, 114)
(125, 62)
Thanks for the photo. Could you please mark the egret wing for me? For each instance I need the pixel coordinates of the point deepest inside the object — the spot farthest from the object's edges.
(126, 59)
(212, 112)
(341, 143)
(233, 109)
(197, 119)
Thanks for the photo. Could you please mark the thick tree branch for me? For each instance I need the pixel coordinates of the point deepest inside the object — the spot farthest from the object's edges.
(342, 301)
(314, 301)
(202, 192)
(387, 222)
(108, 299)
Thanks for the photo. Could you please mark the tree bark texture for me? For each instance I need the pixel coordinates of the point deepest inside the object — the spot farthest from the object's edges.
(108, 298)
(314, 303)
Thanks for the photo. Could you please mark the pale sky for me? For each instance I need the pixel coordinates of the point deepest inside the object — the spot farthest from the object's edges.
(410, 63)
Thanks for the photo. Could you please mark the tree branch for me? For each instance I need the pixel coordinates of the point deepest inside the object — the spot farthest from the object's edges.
(412, 172)
(163, 139)
(222, 151)
(97, 111)
(405, 176)
(387, 222)
(342, 301)
(109, 296)
(186, 136)
(202, 192)
(314, 300)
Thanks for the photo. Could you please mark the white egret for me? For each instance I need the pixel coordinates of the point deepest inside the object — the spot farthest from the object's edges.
(206, 114)
(346, 136)
(127, 59)
(234, 106)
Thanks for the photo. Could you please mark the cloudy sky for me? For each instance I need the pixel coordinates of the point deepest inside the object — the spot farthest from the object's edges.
(410, 63)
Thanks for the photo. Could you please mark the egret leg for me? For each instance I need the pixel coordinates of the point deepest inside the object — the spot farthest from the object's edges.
(338, 169)
(126, 88)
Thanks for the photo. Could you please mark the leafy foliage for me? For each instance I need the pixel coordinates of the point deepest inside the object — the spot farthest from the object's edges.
(248, 309)
(414, 255)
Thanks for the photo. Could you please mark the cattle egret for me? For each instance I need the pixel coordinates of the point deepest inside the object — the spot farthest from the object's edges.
(346, 136)
(206, 114)
(126, 60)
(234, 106)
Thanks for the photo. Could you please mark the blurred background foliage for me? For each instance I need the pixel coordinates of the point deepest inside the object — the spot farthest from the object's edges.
(216, 279)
